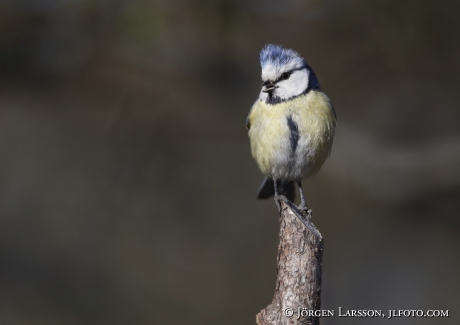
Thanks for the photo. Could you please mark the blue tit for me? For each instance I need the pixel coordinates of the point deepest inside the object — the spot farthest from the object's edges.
(291, 125)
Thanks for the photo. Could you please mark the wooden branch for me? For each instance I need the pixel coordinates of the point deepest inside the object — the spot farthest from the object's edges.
(298, 283)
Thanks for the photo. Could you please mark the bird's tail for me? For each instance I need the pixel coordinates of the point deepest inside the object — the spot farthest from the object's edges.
(267, 189)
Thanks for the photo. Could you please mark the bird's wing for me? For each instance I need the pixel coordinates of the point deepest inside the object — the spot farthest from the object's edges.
(333, 109)
(248, 119)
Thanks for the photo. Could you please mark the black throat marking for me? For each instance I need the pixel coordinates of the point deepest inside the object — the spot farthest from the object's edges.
(294, 136)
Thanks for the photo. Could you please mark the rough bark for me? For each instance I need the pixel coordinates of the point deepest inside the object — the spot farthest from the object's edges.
(298, 283)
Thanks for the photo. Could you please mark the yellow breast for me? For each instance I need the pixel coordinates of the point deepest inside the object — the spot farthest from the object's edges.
(271, 141)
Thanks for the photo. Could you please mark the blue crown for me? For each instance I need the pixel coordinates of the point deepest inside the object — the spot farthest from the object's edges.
(278, 56)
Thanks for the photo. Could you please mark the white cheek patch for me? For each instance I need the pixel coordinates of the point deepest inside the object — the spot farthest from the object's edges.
(294, 86)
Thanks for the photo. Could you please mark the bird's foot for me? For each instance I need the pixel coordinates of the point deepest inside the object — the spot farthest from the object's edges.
(277, 201)
(305, 210)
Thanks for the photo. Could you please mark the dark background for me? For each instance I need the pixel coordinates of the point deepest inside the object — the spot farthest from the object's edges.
(127, 187)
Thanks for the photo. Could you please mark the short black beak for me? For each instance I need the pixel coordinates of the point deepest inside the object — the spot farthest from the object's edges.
(268, 86)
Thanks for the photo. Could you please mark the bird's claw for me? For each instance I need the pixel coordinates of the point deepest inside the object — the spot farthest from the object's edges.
(278, 199)
(305, 210)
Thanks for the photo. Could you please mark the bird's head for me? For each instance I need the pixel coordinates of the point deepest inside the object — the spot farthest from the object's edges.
(285, 74)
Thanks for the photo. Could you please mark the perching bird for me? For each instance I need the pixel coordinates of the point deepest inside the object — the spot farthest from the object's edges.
(291, 125)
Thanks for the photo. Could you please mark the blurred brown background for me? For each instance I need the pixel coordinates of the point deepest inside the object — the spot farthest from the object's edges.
(127, 191)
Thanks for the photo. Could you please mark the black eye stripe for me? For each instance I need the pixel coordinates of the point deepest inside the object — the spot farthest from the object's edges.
(289, 73)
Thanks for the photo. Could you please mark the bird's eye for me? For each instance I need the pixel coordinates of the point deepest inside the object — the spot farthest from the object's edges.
(285, 76)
